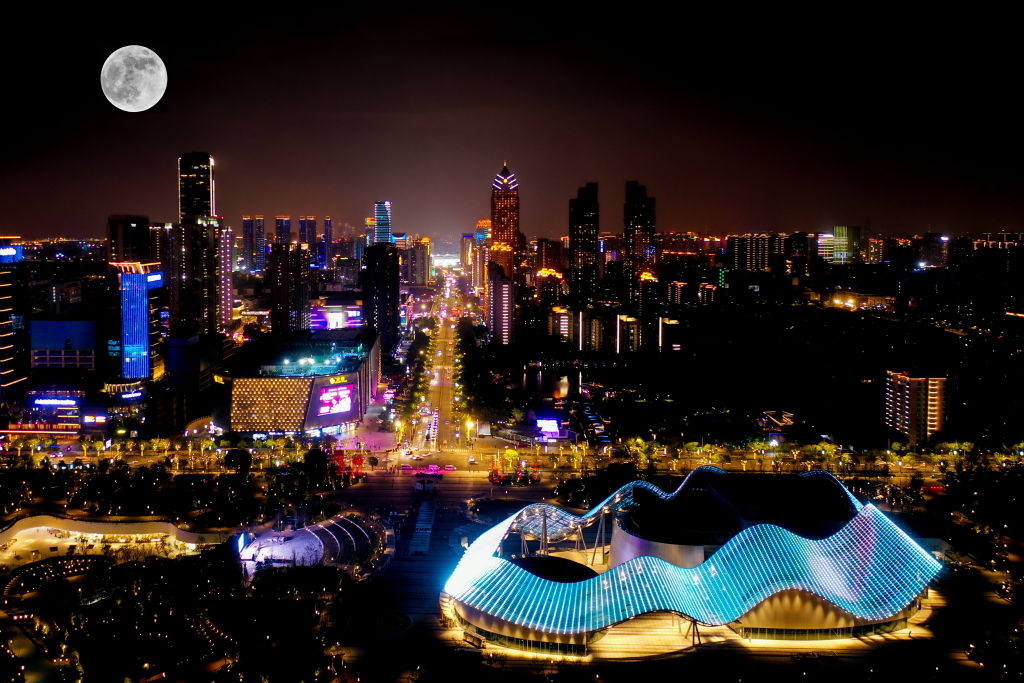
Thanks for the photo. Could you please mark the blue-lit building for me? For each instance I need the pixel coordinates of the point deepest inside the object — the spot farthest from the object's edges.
(382, 223)
(139, 318)
(769, 556)
(307, 230)
(254, 243)
(282, 229)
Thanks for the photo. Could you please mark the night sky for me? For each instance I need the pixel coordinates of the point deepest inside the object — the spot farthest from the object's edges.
(734, 122)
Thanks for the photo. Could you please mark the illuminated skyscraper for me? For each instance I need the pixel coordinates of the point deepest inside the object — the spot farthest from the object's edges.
(501, 300)
(290, 280)
(466, 252)
(307, 230)
(382, 223)
(282, 229)
(638, 235)
(196, 195)
(225, 284)
(584, 226)
(195, 281)
(139, 317)
(505, 235)
(419, 262)
(254, 243)
(915, 406)
(327, 251)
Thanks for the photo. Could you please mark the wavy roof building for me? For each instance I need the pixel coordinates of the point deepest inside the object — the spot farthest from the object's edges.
(851, 573)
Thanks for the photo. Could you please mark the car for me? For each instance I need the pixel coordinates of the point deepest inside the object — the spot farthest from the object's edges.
(449, 468)
(472, 460)
(407, 468)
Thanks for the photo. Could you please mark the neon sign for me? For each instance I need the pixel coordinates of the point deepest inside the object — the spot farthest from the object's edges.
(56, 402)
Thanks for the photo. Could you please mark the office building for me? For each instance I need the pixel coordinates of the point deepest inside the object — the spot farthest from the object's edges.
(501, 314)
(381, 292)
(282, 229)
(638, 236)
(139, 317)
(196, 190)
(826, 246)
(505, 234)
(584, 246)
(225, 277)
(290, 287)
(128, 238)
(915, 406)
(382, 227)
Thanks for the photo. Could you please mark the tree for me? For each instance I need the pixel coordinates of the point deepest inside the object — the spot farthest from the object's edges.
(239, 460)
(510, 459)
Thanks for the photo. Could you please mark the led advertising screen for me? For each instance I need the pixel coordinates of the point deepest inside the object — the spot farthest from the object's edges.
(548, 426)
(335, 399)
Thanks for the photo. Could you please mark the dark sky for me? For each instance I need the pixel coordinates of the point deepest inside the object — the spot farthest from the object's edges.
(734, 122)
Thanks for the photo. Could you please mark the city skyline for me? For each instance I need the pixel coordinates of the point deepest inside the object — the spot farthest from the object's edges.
(735, 131)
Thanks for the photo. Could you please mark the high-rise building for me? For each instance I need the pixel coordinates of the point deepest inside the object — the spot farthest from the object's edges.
(307, 230)
(501, 302)
(638, 235)
(327, 251)
(248, 243)
(826, 246)
(753, 252)
(289, 277)
(195, 278)
(382, 223)
(915, 406)
(419, 262)
(14, 339)
(505, 234)
(466, 251)
(549, 254)
(381, 292)
(139, 317)
(128, 238)
(196, 192)
(282, 229)
(846, 244)
(225, 281)
(584, 246)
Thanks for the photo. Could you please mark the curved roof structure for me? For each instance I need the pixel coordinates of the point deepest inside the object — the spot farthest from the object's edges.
(870, 568)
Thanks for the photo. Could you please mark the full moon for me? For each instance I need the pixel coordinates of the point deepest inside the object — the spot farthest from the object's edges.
(133, 78)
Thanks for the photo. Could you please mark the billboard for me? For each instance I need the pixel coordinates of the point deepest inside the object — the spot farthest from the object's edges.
(335, 399)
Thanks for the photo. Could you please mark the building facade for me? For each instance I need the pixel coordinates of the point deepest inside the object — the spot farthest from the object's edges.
(584, 246)
(196, 189)
(915, 406)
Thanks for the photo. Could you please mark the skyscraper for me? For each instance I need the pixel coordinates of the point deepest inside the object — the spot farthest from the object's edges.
(638, 235)
(139, 317)
(382, 223)
(584, 226)
(248, 243)
(327, 252)
(381, 293)
(419, 262)
(128, 238)
(915, 406)
(505, 235)
(282, 229)
(289, 277)
(195, 281)
(466, 252)
(307, 230)
(225, 283)
(196, 195)
(500, 304)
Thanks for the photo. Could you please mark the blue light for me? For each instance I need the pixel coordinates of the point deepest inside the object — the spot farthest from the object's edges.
(134, 326)
(870, 568)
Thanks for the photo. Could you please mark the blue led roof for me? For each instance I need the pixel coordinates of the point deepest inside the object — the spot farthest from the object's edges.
(869, 568)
